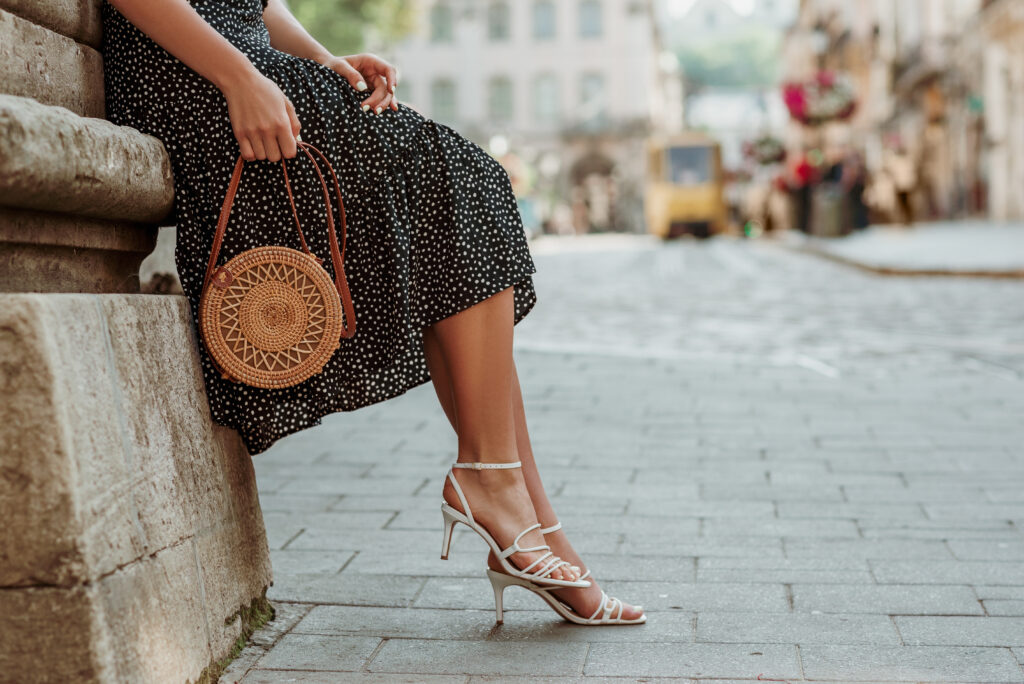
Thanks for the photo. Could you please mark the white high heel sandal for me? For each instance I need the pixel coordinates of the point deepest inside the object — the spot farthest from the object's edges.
(453, 515)
(499, 581)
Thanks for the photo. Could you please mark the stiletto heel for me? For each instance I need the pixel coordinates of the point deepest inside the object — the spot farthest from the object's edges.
(449, 523)
(499, 591)
(549, 562)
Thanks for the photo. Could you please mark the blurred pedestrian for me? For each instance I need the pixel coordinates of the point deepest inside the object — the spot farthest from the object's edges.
(854, 181)
(901, 169)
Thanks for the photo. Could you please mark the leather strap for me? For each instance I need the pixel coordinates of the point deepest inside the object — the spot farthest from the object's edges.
(337, 252)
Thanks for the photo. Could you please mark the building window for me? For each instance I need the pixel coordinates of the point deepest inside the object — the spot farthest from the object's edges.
(442, 23)
(592, 109)
(545, 99)
(590, 19)
(498, 21)
(500, 105)
(543, 19)
(442, 100)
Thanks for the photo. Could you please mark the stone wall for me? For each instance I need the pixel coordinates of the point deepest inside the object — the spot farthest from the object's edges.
(133, 546)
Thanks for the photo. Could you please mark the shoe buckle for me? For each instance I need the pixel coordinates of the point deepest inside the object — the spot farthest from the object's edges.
(478, 466)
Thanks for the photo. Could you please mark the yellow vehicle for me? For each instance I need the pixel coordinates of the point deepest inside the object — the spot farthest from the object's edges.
(684, 192)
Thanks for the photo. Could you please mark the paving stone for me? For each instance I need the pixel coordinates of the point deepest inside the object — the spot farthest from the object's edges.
(941, 530)
(315, 652)
(700, 509)
(362, 486)
(1012, 607)
(908, 599)
(479, 657)
(651, 545)
(975, 511)
(859, 511)
(909, 663)
(291, 562)
(790, 628)
(998, 550)
(693, 660)
(289, 503)
(947, 572)
(299, 677)
(960, 631)
(866, 548)
(781, 527)
(411, 541)
(365, 590)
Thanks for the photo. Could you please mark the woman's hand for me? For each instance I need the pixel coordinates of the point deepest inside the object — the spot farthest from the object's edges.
(262, 117)
(364, 69)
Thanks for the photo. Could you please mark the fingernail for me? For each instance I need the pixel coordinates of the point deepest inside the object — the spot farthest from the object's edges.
(393, 87)
(379, 109)
(361, 85)
(366, 107)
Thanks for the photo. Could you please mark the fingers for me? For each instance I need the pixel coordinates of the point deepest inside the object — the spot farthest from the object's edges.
(352, 75)
(380, 99)
(296, 126)
(287, 145)
(392, 75)
(246, 149)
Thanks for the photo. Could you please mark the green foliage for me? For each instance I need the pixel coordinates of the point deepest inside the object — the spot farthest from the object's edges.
(342, 26)
(742, 58)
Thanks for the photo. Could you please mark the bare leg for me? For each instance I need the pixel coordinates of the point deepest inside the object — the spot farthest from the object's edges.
(583, 601)
(475, 347)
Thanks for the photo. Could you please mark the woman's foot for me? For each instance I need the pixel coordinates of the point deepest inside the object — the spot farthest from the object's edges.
(584, 601)
(500, 502)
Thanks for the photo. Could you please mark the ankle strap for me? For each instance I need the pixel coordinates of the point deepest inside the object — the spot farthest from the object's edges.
(479, 465)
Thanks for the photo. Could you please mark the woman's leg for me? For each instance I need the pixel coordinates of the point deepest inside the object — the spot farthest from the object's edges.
(584, 601)
(475, 347)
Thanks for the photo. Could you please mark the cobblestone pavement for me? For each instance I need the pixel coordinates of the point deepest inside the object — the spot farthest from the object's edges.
(804, 472)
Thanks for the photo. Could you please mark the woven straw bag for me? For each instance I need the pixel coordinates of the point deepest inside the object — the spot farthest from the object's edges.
(271, 317)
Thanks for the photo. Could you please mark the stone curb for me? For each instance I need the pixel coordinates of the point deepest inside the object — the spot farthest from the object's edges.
(809, 247)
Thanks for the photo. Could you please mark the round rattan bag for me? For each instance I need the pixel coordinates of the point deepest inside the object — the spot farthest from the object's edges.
(271, 316)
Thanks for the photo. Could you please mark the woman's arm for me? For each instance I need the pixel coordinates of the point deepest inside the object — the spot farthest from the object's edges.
(262, 118)
(288, 35)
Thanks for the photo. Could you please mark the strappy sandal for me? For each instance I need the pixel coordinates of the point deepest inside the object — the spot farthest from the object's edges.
(539, 576)
(608, 605)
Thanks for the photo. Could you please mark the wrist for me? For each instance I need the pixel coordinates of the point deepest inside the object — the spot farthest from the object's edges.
(322, 57)
(235, 73)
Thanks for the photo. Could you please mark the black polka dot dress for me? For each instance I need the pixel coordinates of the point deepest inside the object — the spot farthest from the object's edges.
(433, 225)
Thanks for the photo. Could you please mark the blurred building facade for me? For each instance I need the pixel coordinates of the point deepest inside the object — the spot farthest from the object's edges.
(939, 84)
(563, 92)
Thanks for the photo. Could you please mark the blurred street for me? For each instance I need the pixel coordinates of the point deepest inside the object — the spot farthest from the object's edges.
(802, 470)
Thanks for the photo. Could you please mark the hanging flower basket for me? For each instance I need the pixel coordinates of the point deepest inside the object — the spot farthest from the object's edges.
(765, 150)
(826, 97)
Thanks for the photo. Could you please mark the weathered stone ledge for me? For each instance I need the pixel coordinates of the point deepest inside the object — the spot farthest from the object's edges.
(53, 69)
(76, 19)
(54, 160)
(52, 252)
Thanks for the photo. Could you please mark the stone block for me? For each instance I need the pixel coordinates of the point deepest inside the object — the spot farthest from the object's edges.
(53, 69)
(54, 160)
(78, 19)
(130, 518)
(52, 252)
(142, 624)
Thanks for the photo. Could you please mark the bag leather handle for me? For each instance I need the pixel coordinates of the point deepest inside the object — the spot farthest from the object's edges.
(337, 252)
